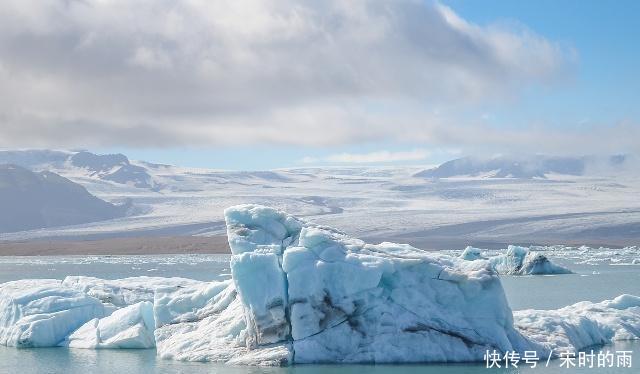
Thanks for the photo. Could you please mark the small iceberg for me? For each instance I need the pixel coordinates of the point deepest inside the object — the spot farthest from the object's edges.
(304, 293)
(517, 260)
(471, 254)
(582, 325)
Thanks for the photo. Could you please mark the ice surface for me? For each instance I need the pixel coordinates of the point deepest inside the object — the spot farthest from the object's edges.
(130, 327)
(42, 312)
(516, 260)
(123, 292)
(304, 293)
(206, 322)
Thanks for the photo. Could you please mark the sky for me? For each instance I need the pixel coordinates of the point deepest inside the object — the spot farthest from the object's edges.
(280, 83)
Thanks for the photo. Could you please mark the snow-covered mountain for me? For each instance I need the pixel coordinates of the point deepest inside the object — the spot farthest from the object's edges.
(564, 201)
(111, 167)
(32, 200)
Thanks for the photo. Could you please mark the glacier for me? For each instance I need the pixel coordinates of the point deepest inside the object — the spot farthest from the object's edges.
(516, 260)
(306, 293)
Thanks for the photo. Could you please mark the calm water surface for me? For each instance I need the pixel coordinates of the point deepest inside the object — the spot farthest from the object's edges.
(592, 282)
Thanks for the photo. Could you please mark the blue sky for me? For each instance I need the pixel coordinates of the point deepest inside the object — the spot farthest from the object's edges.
(603, 86)
(284, 84)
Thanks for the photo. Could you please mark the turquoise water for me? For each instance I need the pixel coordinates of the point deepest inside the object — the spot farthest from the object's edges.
(592, 282)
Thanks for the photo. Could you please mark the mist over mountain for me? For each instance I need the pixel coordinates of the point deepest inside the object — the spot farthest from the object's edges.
(521, 167)
(35, 158)
(31, 200)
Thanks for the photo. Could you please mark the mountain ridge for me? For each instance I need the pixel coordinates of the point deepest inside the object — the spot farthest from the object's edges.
(34, 200)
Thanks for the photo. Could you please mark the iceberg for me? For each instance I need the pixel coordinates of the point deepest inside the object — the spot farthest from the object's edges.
(581, 325)
(522, 261)
(305, 293)
(516, 260)
(471, 254)
(329, 298)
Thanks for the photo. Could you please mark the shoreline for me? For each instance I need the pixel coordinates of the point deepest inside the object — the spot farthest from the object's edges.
(119, 246)
(218, 244)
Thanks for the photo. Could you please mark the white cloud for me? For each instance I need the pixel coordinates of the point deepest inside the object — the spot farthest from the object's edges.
(371, 157)
(212, 72)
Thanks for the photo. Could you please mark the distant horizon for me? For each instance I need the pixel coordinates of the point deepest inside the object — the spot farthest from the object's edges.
(319, 163)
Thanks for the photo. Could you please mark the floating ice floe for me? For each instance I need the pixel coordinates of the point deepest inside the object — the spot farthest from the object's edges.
(516, 260)
(303, 293)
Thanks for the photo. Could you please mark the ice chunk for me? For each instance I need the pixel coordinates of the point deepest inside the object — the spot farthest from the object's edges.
(517, 260)
(582, 325)
(257, 236)
(265, 306)
(129, 327)
(470, 253)
(206, 323)
(522, 261)
(256, 228)
(190, 303)
(42, 313)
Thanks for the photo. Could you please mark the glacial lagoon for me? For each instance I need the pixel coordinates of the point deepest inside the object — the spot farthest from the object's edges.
(592, 281)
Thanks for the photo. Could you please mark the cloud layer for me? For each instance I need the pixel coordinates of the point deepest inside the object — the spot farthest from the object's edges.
(200, 72)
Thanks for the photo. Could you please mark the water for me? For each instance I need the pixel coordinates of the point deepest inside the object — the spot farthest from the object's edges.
(590, 283)
(199, 267)
(593, 281)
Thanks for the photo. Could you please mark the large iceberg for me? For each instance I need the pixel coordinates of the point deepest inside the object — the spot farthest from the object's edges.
(327, 297)
(303, 293)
